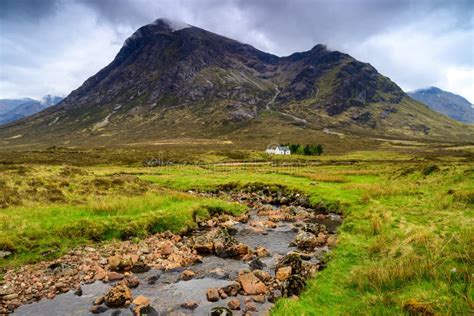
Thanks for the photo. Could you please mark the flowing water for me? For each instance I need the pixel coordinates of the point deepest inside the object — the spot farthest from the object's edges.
(167, 292)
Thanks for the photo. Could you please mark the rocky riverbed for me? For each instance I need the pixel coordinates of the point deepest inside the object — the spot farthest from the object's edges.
(230, 264)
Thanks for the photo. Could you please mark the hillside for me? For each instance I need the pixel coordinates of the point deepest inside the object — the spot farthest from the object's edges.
(172, 82)
(447, 103)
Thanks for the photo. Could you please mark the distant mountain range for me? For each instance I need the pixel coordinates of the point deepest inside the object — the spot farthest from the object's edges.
(176, 83)
(14, 109)
(447, 103)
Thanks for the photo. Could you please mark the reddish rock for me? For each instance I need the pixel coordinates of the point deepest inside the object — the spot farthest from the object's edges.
(212, 295)
(118, 296)
(141, 300)
(132, 281)
(283, 273)
(187, 275)
(250, 305)
(251, 284)
(190, 305)
(234, 304)
(261, 251)
(114, 276)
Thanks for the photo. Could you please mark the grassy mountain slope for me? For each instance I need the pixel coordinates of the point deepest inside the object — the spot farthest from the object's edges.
(190, 83)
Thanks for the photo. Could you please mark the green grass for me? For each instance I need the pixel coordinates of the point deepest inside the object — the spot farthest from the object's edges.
(405, 246)
(47, 231)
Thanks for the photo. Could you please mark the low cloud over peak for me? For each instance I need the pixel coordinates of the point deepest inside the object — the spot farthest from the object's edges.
(54, 45)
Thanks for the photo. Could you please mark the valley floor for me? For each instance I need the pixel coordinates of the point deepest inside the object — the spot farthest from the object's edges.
(405, 246)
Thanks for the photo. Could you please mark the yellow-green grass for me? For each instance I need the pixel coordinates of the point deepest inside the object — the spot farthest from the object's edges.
(404, 246)
(36, 228)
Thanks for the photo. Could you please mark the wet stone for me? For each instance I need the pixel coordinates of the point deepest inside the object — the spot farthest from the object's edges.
(212, 295)
(190, 305)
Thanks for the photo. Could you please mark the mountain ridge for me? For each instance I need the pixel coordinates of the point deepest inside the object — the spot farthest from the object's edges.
(167, 83)
(445, 102)
(16, 109)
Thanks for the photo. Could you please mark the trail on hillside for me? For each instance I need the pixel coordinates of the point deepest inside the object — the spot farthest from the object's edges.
(272, 101)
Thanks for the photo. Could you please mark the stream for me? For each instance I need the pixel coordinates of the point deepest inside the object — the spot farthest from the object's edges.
(167, 291)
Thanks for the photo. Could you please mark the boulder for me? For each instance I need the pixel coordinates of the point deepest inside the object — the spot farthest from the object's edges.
(212, 295)
(190, 305)
(132, 281)
(234, 304)
(232, 289)
(283, 273)
(98, 309)
(256, 264)
(293, 285)
(114, 262)
(305, 240)
(114, 276)
(118, 296)
(293, 260)
(187, 275)
(141, 300)
(262, 275)
(249, 305)
(251, 284)
(261, 252)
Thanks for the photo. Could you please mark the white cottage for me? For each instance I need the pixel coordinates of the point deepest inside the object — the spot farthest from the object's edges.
(278, 150)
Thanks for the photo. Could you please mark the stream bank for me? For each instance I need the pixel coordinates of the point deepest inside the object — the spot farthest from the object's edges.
(238, 264)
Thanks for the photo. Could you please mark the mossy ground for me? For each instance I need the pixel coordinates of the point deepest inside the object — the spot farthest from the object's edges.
(405, 246)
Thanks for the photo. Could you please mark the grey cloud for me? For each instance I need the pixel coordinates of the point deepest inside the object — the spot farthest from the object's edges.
(416, 43)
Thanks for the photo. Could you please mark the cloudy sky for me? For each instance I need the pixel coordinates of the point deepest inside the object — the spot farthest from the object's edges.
(52, 46)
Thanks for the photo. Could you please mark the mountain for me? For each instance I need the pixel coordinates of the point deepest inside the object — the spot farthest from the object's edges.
(175, 83)
(13, 110)
(9, 104)
(447, 103)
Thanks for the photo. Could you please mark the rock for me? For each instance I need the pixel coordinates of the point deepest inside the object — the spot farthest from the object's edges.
(234, 304)
(132, 281)
(212, 295)
(141, 300)
(305, 240)
(218, 273)
(293, 260)
(251, 284)
(99, 300)
(250, 305)
(147, 310)
(261, 252)
(226, 246)
(187, 275)
(293, 286)
(220, 311)
(114, 276)
(203, 243)
(6, 291)
(10, 297)
(257, 264)
(166, 247)
(190, 305)
(100, 275)
(223, 294)
(114, 262)
(78, 291)
(283, 273)
(258, 298)
(98, 309)
(262, 275)
(232, 289)
(118, 296)
(276, 294)
(140, 267)
(315, 228)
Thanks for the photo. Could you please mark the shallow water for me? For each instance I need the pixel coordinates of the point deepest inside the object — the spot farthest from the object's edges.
(167, 292)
